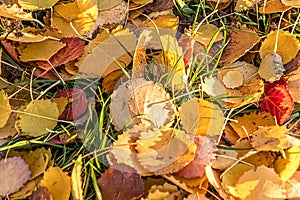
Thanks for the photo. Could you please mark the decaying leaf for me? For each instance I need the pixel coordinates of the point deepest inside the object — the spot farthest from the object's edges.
(271, 67)
(41, 194)
(14, 174)
(286, 167)
(144, 102)
(26, 37)
(40, 50)
(272, 138)
(14, 12)
(272, 6)
(58, 183)
(224, 159)
(245, 125)
(139, 57)
(200, 117)
(77, 16)
(241, 40)
(233, 79)
(204, 156)
(249, 91)
(36, 4)
(262, 183)
(104, 54)
(37, 160)
(293, 186)
(293, 85)
(230, 179)
(242, 5)
(277, 101)
(165, 191)
(117, 181)
(287, 45)
(9, 129)
(168, 153)
(38, 117)
(5, 108)
(73, 48)
(77, 191)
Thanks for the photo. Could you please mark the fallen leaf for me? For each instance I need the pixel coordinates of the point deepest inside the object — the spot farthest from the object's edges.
(241, 40)
(168, 21)
(110, 81)
(242, 5)
(271, 67)
(287, 45)
(78, 103)
(9, 130)
(14, 174)
(58, 183)
(277, 101)
(26, 37)
(74, 47)
(231, 178)
(40, 194)
(233, 79)
(272, 6)
(80, 15)
(205, 34)
(165, 191)
(40, 50)
(77, 191)
(104, 54)
(245, 125)
(200, 117)
(139, 57)
(286, 167)
(33, 5)
(117, 181)
(224, 159)
(5, 108)
(262, 183)
(293, 186)
(147, 102)
(293, 85)
(203, 157)
(14, 12)
(43, 111)
(26, 190)
(271, 138)
(293, 3)
(107, 4)
(11, 50)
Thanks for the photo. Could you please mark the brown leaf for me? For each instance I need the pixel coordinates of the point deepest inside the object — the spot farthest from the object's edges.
(120, 182)
(73, 49)
(241, 40)
(41, 194)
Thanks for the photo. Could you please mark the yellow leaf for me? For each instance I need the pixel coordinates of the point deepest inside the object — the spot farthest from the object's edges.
(38, 117)
(230, 179)
(242, 5)
(26, 37)
(163, 21)
(9, 128)
(201, 117)
(206, 32)
(62, 102)
(14, 12)
(5, 108)
(271, 138)
(81, 14)
(262, 183)
(40, 50)
(272, 6)
(293, 3)
(249, 123)
(287, 45)
(174, 57)
(58, 183)
(77, 192)
(286, 167)
(107, 4)
(271, 67)
(33, 5)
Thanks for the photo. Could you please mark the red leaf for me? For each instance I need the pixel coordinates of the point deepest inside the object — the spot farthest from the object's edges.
(121, 182)
(73, 49)
(11, 50)
(187, 47)
(78, 105)
(277, 101)
(204, 156)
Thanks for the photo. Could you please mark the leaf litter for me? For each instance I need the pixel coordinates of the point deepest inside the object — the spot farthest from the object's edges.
(207, 113)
